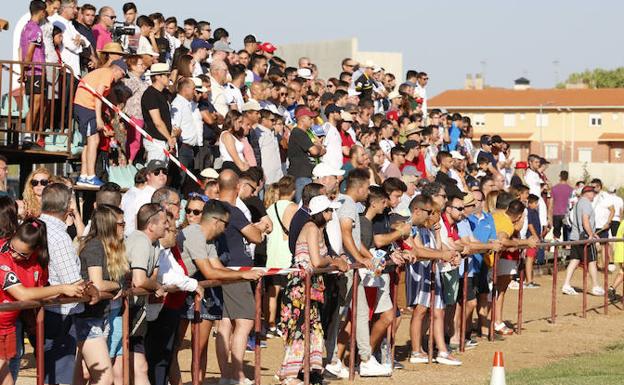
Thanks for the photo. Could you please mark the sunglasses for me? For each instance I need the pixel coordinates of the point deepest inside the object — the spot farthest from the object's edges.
(226, 223)
(254, 188)
(458, 208)
(427, 211)
(43, 182)
(158, 171)
(193, 211)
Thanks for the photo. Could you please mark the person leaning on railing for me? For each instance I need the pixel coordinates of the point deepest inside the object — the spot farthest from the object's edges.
(23, 273)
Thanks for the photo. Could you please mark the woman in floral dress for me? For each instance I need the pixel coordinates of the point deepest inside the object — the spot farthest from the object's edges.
(310, 253)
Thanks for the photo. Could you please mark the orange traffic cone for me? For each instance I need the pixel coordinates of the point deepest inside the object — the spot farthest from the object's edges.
(498, 370)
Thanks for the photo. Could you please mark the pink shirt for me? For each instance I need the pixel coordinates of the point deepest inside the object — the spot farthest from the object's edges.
(32, 34)
(102, 36)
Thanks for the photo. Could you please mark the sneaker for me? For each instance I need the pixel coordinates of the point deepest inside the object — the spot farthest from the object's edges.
(514, 285)
(471, 344)
(418, 358)
(245, 381)
(447, 359)
(598, 291)
(612, 294)
(531, 285)
(372, 368)
(337, 369)
(90, 182)
(272, 332)
(82, 181)
(568, 290)
(398, 365)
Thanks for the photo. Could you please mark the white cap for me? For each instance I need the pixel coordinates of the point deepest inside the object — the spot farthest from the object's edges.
(368, 64)
(209, 173)
(325, 169)
(353, 92)
(457, 155)
(377, 68)
(320, 203)
(305, 73)
(199, 85)
(394, 94)
(252, 105)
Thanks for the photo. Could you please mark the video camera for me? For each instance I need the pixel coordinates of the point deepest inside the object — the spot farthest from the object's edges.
(120, 29)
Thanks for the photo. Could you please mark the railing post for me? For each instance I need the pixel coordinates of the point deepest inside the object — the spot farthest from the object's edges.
(258, 330)
(391, 331)
(432, 288)
(584, 311)
(354, 299)
(125, 330)
(307, 329)
(196, 343)
(462, 322)
(494, 295)
(520, 297)
(607, 253)
(39, 348)
(553, 304)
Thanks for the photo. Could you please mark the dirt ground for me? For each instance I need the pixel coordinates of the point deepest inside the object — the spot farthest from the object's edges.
(541, 342)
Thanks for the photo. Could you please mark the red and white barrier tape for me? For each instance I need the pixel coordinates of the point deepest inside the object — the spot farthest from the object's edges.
(147, 136)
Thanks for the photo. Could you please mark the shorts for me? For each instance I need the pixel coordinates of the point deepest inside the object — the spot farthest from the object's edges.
(115, 334)
(137, 344)
(614, 227)
(383, 302)
(276, 280)
(603, 234)
(8, 346)
(59, 348)
(211, 305)
(88, 328)
(507, 267)
(87, 124)
(578, 252)
(531, 253)
(471, 291)
(450, 286)
(482, 280)
(37, 82)
(238, 301)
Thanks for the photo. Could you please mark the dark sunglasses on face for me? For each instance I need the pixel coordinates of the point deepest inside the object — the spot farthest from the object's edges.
(193, 211)
(157, 172)
(427, 211)
(43, 182)
(458, 208)
(225, 223)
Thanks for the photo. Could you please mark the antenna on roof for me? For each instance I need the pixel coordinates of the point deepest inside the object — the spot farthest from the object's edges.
(556, 65)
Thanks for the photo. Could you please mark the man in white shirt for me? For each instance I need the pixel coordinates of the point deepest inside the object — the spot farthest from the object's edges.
(268, 141)
(534, 181)
(137, 196)
(604, 210)
(218, 78)
(185, 115)
(233, 88)
(73, 42)
(332, 140)
(618, 206)
(420, 91)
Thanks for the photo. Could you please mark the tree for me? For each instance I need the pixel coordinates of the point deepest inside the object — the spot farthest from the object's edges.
(597, 78)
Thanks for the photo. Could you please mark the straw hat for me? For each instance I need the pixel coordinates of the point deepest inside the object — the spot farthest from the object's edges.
(113, 47)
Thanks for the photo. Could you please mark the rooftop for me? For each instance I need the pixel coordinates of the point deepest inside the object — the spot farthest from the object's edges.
(498, 98)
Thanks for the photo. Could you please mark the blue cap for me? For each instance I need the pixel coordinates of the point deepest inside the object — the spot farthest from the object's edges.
(318, 130)
(121, 64)
(197, 44)
(332, 108)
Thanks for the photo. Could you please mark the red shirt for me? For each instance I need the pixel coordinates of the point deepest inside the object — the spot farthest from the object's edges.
(451, 230)
(28, 273)
(347, 141)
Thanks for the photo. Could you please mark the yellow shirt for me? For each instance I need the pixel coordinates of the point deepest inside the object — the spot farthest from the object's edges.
(618, 253)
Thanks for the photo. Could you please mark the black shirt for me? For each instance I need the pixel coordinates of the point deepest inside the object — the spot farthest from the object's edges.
(256, 207)
(364, 85)
(94, 255)
(487, 155)
(450, 184)
(210, 130)
(231, 245)
(163, 48)
(153, 99)
(297, 222)
(301, 164)
(85, 55)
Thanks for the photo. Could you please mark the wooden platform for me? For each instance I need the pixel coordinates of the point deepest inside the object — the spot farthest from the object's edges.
(21, 155)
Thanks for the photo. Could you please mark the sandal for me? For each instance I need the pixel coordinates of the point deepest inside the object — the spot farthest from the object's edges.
(503, 330)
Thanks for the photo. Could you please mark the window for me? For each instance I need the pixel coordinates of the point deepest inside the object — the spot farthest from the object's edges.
(551, 151)
(585, 155)
(541, 120)
(522, 117)
(509, 120)
(595, 120)
(516, 152)
(478, 120)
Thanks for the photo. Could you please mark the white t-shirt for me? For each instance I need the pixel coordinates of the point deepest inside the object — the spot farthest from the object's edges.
(70, 50)
(131, 202)
(333, 145)
(618, 205)
(233, 95)
(602, 202)
(386, 146)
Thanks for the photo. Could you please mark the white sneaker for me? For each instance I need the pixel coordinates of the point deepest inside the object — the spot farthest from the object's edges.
(245, 381)
(568, 290)
(514, 285)
(598, 291)
(372, 368)
(446, 359)
(418, 358)
(337, 369)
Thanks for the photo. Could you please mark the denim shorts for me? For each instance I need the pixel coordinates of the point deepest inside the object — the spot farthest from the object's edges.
(87, 328)
(115, 336)
(211, 305)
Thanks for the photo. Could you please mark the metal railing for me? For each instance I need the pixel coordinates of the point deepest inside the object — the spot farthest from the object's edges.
(54, 113)
(195, 346)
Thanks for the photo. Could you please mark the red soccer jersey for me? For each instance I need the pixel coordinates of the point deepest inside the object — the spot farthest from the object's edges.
(12, 272)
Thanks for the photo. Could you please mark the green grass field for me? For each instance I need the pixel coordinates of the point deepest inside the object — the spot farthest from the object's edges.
(604, 368)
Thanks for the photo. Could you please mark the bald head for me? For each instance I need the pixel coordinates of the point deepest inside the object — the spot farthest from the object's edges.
(228, 181)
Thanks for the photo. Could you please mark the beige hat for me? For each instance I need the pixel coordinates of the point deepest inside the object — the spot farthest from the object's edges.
(209, 173)
(112, 47)
(394, 95)
(199, 85)
(159, 69)
(252, 105)
(346, 116)
(469, 199)
(412, 128)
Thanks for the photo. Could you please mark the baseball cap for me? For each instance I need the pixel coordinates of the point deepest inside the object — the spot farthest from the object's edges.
(267, 47)
(330, 109)
(587, 189)
(222, 46)
(409, 178)
(368, 64)
(320, 203)
(155, 164)
(318, 130)
(121, 64)
(353, 92)
(521, 165)
(252, 105)
(346, 116)
(486, 139)
(304, 111)
(325, 169)
(199, 85)
(304, 73)
(209, 173)
(457, 155)
(198, 44)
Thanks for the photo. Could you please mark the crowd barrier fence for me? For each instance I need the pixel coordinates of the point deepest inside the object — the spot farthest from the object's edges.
(195, 344)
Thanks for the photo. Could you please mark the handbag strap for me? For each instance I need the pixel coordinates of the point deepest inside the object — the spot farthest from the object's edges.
(284, 229)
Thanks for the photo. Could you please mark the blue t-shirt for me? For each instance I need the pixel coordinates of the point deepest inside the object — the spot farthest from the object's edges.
(534, 219)
(483, 230)
(454, 133)
(464, 230)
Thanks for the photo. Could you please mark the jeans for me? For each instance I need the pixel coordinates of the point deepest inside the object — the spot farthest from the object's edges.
(160, 345)
(14, 363)
(300, 183)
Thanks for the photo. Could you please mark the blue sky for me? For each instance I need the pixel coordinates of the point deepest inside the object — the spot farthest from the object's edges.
(445, 38)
